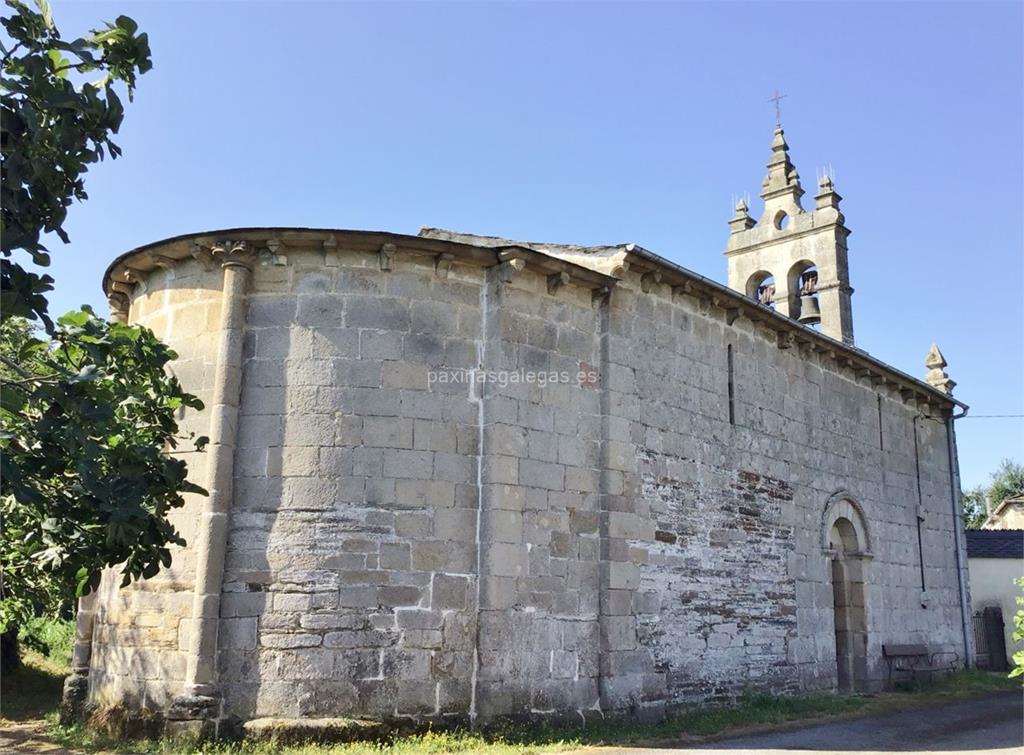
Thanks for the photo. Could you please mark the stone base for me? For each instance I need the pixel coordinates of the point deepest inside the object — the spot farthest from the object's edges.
(294, 730)
(73, 699)
(193, 716)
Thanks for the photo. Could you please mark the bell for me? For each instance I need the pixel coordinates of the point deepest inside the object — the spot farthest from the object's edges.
(810, 312)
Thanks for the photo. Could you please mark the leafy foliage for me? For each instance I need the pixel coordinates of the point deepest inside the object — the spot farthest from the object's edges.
(973, 503)
(1018, 633)
(52, 130)
(50, 637)
(85, 482)
(1007, 482)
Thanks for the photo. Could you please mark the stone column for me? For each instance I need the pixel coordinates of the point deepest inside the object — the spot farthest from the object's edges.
(76, 686)
(200, 702)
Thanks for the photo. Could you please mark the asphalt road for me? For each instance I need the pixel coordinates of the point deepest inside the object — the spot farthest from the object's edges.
(993, 725)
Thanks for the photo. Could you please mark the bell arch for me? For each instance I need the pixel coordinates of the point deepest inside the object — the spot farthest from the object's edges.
(761, 287)
(802, 286)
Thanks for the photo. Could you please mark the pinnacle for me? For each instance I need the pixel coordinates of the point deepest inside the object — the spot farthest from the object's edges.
(934, 360)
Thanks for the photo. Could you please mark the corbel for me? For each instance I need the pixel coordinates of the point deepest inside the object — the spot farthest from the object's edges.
(620, 269)
(386, 256)
(508, 269)
(681, 289)
(134, 277)
(443, 264)
(119, 303)
(907, 393)
(329, 244)
(556, 281)
(269, 254)
(202, 255)
(731, 314)
(600, 295)
(784, 339)
(160, 260)
(648, 279)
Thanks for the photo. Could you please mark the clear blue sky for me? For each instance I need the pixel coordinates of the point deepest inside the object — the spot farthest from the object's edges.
(597, 123)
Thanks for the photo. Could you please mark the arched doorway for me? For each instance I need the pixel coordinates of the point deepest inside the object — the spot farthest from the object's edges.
(851, 629)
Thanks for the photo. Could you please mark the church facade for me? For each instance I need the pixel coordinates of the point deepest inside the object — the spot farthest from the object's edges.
(456, 477)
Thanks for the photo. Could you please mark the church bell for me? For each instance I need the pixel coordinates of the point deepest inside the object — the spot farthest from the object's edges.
(810, 312)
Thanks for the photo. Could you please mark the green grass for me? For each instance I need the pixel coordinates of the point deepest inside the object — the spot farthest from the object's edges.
(53, 638)
(37, 688)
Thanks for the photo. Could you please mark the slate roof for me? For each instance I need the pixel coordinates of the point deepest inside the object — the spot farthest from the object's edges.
(995, 543)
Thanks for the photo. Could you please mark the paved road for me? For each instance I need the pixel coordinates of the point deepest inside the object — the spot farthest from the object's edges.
(990, 725)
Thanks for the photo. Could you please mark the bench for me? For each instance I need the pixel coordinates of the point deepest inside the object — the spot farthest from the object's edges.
(915, 661)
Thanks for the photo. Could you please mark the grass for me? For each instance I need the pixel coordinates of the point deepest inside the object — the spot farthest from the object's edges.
(38, 685)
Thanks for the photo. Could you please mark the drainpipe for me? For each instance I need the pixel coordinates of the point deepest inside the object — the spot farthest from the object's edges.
(954, 486)
(200, 702)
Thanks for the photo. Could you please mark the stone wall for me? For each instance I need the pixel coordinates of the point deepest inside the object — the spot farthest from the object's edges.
(141, 633)
(629, 535)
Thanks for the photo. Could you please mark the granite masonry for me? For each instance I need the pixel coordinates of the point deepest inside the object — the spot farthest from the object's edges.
(455, 477)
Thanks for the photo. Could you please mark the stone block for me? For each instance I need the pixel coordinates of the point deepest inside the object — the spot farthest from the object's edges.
(448, 592)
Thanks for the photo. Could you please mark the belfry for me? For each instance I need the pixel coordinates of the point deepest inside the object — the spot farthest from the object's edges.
(792, 259)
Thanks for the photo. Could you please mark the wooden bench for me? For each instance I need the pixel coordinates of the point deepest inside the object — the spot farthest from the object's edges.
(916, 662)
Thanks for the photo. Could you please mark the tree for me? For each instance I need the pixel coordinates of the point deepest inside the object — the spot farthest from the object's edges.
(1006, 482)
(88, 410)
(973, 502)
(52, 130)
(84, 478)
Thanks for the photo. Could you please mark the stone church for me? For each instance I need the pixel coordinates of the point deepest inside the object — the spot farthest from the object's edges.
(456, 477)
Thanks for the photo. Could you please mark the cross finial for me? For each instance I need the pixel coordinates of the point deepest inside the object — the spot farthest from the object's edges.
(777, 98)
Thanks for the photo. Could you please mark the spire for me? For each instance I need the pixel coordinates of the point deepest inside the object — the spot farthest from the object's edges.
(937, 377)
(782, 178)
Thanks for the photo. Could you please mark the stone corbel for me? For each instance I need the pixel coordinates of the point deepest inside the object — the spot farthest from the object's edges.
(443, 264)
(269, 254)
(134, 278)
(599, 296)
(386, 256)
(731, 315)
(683, 288)
(556, 281)
(784, 339)
(620, 269)
(648, 279)
(160, 260)
(507, 270)
(119, 304)
(203, 256)
(330, 244)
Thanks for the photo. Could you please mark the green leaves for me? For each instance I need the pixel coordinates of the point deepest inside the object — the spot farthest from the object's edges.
(52, 130)
(84, 481)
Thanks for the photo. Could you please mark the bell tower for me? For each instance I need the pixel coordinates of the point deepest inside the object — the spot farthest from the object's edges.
(794, 259)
